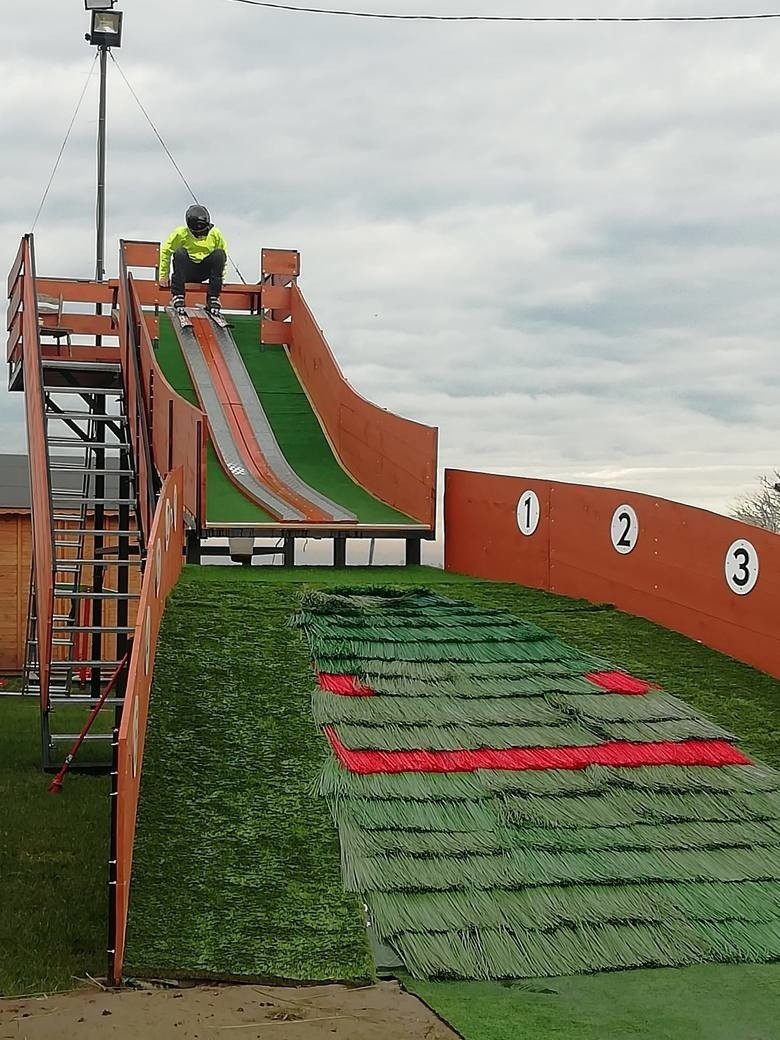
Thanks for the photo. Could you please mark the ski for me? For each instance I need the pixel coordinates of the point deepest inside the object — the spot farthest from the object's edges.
(218, 320)
(183, 318)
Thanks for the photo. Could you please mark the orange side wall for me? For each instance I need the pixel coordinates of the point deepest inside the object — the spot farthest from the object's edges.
(392, 457)
(674, 576)
(164, 562)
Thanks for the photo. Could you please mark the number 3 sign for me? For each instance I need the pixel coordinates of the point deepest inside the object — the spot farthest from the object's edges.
(741, 567)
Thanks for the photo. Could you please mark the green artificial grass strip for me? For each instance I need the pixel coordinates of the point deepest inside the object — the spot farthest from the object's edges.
(415, 711)
(53, 865)
(709, 1002)
(391, 737)
(236, 871)
(546, 907)
(298, 431)
(464, 840)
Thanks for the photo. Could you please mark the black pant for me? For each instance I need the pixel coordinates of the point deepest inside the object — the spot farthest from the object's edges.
(210, 270)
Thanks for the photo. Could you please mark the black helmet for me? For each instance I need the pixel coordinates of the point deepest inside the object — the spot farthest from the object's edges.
(198, 220)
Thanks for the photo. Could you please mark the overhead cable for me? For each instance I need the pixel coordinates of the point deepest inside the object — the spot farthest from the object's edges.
(165, 147)
(64, 144)
(510, 17)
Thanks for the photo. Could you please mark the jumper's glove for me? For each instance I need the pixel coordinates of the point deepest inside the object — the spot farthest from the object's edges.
(164, 283)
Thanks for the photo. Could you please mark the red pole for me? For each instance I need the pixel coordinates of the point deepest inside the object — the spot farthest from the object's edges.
(56, 785)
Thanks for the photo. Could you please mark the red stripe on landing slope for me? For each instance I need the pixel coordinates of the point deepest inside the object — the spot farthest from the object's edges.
(346, 685)
(616, 753)
(620, 682)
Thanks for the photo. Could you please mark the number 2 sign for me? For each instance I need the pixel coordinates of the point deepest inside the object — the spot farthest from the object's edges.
(741, 567)
(624, 530)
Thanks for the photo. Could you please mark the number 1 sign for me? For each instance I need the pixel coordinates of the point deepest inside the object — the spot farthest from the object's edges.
(528, 512)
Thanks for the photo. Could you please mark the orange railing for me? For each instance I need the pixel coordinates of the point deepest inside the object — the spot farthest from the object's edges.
(177, 429)
(698, 573)
(163, 565)
(24, 348)
(136, 406)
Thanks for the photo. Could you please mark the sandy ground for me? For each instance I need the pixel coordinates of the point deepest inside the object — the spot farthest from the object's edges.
(382, 1012)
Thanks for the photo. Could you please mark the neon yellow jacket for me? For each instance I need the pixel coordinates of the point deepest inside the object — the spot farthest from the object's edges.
(197, 248)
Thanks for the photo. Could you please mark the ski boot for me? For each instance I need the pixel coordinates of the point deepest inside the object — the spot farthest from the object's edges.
(177, 302)
(214, 307)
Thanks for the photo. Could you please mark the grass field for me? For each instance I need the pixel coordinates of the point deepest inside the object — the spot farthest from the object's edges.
(53, 865)
(53, 850)
(706, 1002)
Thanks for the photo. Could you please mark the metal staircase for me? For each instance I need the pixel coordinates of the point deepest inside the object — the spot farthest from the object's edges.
(98, 550)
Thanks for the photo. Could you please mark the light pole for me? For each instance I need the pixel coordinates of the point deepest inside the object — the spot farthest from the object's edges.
(105, 33)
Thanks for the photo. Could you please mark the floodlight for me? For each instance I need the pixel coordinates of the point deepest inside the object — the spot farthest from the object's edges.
(106, 28)
(98, 5)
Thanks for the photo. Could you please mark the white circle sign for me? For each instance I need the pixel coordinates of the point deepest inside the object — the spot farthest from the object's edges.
(157, 566)
(147, 639)
(528, 512)
(168, 523)
(624, 530)
(741, 567)
(134, 737)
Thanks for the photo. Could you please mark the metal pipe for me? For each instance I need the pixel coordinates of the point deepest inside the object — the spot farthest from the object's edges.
(100, 268)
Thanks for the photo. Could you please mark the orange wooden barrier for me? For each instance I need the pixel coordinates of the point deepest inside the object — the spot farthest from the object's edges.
(178, 428)
(392, 457)
(40, 478)
(162, 570)
(704, 575)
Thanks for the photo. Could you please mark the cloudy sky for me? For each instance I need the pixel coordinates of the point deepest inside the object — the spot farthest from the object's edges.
(558, 243)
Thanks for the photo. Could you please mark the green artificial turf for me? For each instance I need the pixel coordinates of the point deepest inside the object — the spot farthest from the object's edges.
(704, 1002)
(295, 427)
(527, 873)
(236, 871)
(52, 858)
(53, 865)
(298, 431)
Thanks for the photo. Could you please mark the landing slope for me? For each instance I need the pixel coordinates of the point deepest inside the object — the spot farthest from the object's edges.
(233, 753)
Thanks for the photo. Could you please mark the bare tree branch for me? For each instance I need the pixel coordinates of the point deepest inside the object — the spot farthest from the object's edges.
(763, 508)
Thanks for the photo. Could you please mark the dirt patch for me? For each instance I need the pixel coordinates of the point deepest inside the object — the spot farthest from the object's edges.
(382, 1012)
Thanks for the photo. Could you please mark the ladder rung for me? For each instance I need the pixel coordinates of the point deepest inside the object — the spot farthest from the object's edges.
(91, 530)
(81, 366)
(53, 413)
(86, 442)
(112, 472)
(66, 592)
(101, 390)
(77, 666)
(67, 545)
(61, 642)
(107, 629)
(82, 700)
(107, 561)
(90, 500)
(92, 738)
